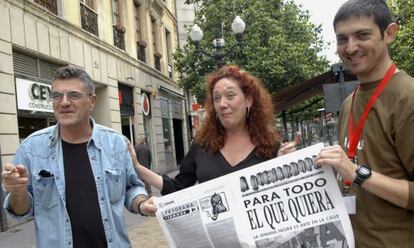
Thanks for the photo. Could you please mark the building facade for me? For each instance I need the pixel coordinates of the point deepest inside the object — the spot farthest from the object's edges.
(185, 19)
(125, 45)
(186, 14)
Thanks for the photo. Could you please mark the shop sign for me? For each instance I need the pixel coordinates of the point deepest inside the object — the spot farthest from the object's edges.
(145, 104)
(33, 96)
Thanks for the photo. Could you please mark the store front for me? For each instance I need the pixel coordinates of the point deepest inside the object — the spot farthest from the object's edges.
(33, 79)
(126, 106)
(34, 108)
(172, 126)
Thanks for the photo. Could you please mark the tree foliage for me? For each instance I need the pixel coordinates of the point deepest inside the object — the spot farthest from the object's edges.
(280, 45)
(402, 48)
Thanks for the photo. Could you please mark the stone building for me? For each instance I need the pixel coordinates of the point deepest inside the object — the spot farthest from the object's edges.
(125, 45)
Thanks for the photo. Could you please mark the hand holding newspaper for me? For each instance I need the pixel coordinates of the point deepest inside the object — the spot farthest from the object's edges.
(284, 202)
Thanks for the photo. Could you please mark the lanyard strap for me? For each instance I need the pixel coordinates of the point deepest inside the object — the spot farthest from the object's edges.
(354, 135)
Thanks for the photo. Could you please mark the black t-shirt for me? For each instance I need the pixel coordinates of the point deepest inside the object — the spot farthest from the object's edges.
(82, 197)
(200, 166)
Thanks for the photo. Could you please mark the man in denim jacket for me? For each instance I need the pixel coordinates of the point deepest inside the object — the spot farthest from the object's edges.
(74, 177)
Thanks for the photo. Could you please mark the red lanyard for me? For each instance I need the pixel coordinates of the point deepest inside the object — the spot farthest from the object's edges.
(354, 135)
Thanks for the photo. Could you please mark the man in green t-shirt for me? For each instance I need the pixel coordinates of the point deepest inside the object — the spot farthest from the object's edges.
(376, 126)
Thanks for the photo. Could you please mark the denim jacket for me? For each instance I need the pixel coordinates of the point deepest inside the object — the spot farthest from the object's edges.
(116, 182)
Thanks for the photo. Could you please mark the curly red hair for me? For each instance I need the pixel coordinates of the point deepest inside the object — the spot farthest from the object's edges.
(260, 121)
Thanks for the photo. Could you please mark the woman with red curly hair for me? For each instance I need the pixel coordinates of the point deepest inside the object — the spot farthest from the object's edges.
(238, 131)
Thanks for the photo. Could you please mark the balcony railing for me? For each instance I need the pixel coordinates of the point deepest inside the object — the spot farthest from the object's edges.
(89, 19)
(141, 51)
(157, 62)
(51, 5)
(119, 36)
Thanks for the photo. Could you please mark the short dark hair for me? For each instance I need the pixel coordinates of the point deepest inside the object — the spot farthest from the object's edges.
(142, 139)
(71, 72)
(377, 9)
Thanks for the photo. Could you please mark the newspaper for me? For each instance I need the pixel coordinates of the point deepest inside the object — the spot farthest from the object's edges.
(285, 202)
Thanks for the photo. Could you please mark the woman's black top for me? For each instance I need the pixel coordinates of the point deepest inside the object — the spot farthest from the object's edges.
(200, 165)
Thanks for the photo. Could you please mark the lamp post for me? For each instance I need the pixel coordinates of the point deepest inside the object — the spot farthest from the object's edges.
(238, 26)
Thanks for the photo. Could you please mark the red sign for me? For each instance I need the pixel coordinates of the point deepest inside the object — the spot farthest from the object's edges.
(120, 97)
(145, 104)
(195, 107)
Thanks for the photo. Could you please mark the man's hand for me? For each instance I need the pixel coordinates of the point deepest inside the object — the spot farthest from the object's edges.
(148, 206)
(337, 158)
(15, 179)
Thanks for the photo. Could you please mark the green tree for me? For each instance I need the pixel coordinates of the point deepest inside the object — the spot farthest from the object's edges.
(280, 44)
(402, 48)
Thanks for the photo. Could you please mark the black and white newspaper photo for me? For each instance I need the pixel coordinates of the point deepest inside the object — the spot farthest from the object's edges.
(285, 202)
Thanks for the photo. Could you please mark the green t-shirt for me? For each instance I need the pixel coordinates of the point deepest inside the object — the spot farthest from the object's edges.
(387, 147)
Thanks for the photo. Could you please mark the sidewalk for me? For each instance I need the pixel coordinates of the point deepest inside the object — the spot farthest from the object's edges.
(144, 232)
(149, 234)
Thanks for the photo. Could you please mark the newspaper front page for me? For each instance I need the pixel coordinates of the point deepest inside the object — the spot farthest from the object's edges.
(285, 202)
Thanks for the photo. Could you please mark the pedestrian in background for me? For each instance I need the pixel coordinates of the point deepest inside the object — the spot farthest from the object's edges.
(376, 126)
(143, 154)
(238, 132)
(75, 177)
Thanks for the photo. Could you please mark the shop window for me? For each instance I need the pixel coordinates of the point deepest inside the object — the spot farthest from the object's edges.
(126, 100)
(31, 122)
(30, 125)
(127, 123)
(166, 129)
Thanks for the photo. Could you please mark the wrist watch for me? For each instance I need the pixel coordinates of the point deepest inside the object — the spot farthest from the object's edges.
(362, 173)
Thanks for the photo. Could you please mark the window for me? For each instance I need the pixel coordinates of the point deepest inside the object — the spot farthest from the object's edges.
(157, 55)
(169, 52)
(166, 129)
(154, 34)
(115, 12)
(89, 3)
(89, 18)
(118, 29)
(51, 5)
(138, 36)
(141, 44)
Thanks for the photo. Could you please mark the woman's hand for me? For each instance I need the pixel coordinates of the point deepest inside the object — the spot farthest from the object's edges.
(144, 173)
(133, 155)
(288, 147)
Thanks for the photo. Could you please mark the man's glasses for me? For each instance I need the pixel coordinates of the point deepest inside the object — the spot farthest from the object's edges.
(57, 96)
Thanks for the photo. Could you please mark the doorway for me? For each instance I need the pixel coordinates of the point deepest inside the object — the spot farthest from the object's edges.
(178, 140)
(128, 128)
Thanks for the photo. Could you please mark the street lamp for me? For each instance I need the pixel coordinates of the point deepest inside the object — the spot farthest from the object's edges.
(238, 26)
